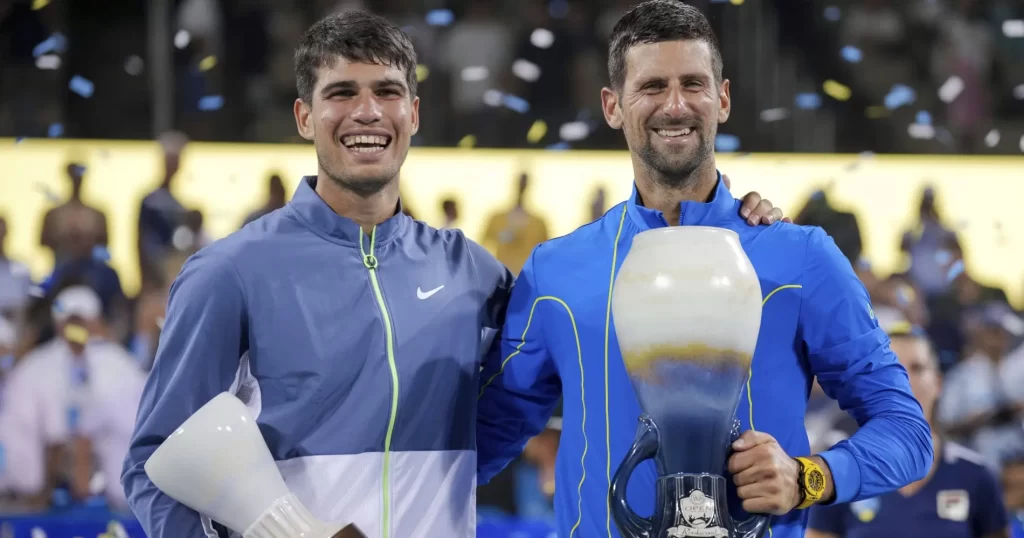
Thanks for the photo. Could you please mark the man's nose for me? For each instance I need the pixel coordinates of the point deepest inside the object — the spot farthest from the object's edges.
(367, 108)
(675, 103)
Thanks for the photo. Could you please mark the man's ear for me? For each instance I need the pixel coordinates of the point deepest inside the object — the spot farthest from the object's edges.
(610, 107)
(304, 119)
(415, 114)
(724, 102)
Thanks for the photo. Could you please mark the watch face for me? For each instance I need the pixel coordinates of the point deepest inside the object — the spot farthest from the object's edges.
(815, 481)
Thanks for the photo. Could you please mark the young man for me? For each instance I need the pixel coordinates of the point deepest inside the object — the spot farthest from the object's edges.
(668, 96)
(352, 331)
(958, 499)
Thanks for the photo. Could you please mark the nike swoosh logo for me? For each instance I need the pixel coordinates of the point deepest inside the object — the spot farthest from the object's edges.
(423, 295)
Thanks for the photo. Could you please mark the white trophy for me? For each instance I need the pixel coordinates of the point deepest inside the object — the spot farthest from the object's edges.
(218, 464)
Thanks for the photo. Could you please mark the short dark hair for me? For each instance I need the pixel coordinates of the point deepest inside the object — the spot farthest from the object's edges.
(655, 21)
(357, 36)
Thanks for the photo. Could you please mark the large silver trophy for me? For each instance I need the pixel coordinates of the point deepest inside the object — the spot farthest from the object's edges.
(687, 310)
(217, 464)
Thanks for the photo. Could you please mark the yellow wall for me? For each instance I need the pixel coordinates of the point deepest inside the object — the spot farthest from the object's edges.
(225, 181)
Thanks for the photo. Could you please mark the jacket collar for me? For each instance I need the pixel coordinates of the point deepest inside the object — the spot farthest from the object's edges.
(690, 213)
(312, 209)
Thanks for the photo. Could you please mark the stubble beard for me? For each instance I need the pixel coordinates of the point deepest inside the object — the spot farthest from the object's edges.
(675, 175)
(363, 187)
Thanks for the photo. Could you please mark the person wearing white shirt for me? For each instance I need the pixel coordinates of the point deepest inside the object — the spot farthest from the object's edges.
(68, 409)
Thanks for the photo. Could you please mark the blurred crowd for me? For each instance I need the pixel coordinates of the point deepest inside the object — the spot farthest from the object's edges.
(808, 75)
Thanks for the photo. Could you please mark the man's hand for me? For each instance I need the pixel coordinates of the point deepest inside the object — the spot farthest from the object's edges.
(757, 210)
(767, 479)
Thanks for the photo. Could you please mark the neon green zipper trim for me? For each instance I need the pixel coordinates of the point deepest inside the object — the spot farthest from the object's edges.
(370, 262)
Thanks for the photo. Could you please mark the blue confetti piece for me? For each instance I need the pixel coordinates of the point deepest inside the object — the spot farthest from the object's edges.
(56, 130)
(81, 85)
(719, 1)
(561, 146)
(955, 271)
(899, 95)
(211, 102)
(440, 17)
(852, 54)
(923, 118)
(515, 103)
(833, 13)
(100, 253)
(55, 43)
(558, 9)
(727, 143)
(808, 101)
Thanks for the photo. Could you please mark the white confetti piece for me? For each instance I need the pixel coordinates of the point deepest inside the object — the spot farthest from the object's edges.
(1013, 28)
(992, 138)
(474, 73)
(1022, 143)
(182, 39)
(48, 62)
(133, 65)
(951, 89)
(542, 38)
(493, 98)
(526, 70)
(1018, 92)
(574, 130)
(774, 114)
(921, 131)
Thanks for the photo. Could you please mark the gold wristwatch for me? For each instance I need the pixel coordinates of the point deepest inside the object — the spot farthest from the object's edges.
(812, 483)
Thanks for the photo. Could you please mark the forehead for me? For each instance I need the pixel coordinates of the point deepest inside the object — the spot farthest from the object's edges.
(362, 73)
(669, 59)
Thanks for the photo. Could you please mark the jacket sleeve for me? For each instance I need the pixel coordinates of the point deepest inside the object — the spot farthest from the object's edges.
(519, 382)
(849, 353)
(200, 347)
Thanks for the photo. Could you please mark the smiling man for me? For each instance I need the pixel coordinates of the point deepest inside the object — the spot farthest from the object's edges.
(351, 331)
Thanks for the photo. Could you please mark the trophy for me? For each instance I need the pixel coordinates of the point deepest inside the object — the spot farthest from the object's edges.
(217, 464)
(687, 311)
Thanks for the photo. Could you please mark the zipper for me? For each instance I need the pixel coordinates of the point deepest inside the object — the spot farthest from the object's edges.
(370, 262)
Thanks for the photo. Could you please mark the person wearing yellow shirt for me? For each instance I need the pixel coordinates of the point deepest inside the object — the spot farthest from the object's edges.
(512, 234)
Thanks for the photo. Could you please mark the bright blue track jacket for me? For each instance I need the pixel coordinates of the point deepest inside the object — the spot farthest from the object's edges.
(559, 339)
(359, 357)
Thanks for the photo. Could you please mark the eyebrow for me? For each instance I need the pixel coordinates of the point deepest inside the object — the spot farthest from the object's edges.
(388, 82)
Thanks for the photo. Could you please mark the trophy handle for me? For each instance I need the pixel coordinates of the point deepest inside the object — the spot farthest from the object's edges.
(644, 448)
(755, 525)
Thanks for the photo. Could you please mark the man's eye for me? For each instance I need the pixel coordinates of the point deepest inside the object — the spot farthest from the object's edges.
(388, 93)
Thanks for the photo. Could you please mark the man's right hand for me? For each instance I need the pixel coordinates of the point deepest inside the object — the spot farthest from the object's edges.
(350, 531)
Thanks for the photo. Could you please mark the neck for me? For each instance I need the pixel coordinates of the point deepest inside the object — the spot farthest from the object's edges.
(655, 193)
(367, 211)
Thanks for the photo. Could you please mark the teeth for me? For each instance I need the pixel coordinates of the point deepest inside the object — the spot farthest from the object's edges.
(675, 132)
(373, 140)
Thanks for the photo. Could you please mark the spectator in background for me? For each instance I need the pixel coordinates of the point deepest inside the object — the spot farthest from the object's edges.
(15, 281)
(161, 214)
(69, 408)
(842, 226)
(598, 204)
(73, 226)
(1013, 493)
(978, 405)
(451, 213)
(512, 234)
(276, 198)
(933, 248)
(948, 309)
(196, 232)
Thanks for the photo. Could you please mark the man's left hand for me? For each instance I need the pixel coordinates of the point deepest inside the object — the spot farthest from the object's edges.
(767, 479)
(757, 210)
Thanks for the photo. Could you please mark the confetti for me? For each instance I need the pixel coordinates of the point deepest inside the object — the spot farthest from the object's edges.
(1022, 143)
(493, 97)
(56, 130)
(558, 9)
(943, 135)
(1013, 28)
(467, 141)
(19, 140)
(899, 95)
(526, 70)
(852, 54)
(956, 270)
(211, 102)
(833, 13)
(76, 334)
(808, 101)
(81, 85)
(837, 91)
(923, 117)
(515, 103)
(774, 114)
(951, 89)
(133, 65)
(440, 17)
(542, 38)
(474, 73)
(560, 146)
(719, 1)
(48, 62)
(55, 43)
(1018, 92)
(727, 143)
(919, 131)
(182, 39)
(39, 4)
(100, 253)
(876, 111)
(537, 131)
(574, 130)
(422, 72)
(50, 195)
(736, 2)
(208, 63)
